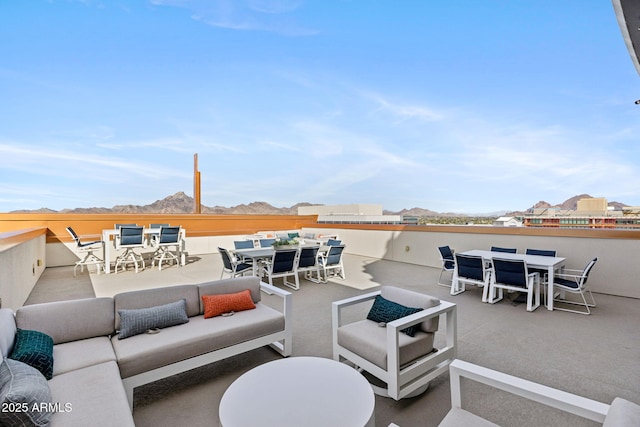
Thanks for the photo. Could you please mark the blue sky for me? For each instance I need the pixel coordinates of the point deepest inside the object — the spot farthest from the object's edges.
(455, 106)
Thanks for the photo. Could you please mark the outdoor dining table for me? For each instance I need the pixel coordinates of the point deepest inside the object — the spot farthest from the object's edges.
(537, 261)
(259, 254)
(255, 255)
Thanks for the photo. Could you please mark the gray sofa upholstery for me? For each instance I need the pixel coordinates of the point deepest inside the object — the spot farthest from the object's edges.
(146, 358)
(86, 381)
(95, 372)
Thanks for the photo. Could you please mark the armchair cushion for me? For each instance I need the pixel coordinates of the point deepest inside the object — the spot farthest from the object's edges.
(385, 311)
(413, 299)
(369, 340)
(622, 413)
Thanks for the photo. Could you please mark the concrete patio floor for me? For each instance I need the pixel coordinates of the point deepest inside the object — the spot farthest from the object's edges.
(596, 356)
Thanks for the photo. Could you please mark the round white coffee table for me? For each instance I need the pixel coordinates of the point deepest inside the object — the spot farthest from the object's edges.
(299, 391)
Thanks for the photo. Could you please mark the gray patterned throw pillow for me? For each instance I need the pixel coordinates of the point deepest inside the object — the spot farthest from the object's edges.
(138, 321)
(24, 395)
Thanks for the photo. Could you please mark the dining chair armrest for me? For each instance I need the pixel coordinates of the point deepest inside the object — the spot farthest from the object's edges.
(570, 271)
(568, 276)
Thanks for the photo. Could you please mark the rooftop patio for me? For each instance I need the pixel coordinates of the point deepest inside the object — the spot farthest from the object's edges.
(595, 356)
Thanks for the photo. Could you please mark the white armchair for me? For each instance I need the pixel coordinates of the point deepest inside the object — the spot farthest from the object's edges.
(406, 364)
(620, 413)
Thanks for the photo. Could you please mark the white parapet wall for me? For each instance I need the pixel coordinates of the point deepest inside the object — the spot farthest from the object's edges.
(22, 261)
(616, 272)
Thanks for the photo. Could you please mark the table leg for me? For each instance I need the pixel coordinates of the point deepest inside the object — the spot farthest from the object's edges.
(550, 274)
(454, 280)
(107, 253)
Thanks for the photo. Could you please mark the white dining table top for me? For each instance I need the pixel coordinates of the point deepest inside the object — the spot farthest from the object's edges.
(533, 260)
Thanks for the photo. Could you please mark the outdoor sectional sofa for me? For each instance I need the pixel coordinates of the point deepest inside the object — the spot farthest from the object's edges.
(96, 367)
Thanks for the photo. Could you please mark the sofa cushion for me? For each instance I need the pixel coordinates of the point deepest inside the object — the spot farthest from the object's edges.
(385, 311)
(7, 331)
(79, 354)
(215, 305)
(137, 321)
(93, 396)
(369, 340)
(622, 413)
(35, 349)
(146, 298)
(413, 299)
(22, 387)
(229, 286)
(91, 317)
(145, 352)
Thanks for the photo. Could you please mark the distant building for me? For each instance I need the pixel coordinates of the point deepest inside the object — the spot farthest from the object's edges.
(350, 214)
(589, 213)
(507, 221)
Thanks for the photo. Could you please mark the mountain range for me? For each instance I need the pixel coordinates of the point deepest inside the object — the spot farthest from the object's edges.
(182, 203)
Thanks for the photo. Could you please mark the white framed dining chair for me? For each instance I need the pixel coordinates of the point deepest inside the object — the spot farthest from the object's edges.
(448, 264)
(283, 265)
(513, 275)
(308, 263)
(168, 238)
(87, 248)
(575, 282)
(471, 270)
(331, 261)
(130, 238)
(231, 265)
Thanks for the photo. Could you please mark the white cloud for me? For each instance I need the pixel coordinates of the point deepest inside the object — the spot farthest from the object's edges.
(404, 111)
(248, 15)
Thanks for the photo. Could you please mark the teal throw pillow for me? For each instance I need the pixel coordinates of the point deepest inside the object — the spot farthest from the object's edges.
(24, 395)
(34, 348)
(385, 311)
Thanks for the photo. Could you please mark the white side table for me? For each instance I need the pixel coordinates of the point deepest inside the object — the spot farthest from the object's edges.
(299, 391)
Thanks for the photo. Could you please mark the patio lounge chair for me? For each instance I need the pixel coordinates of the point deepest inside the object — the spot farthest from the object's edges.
(391, 344)
(620, 413)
